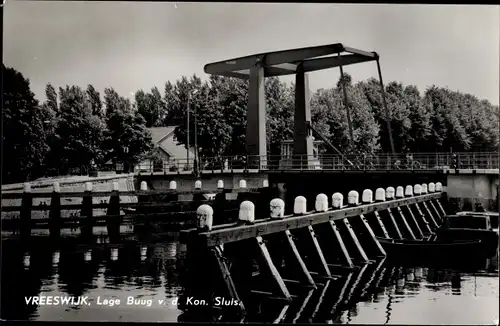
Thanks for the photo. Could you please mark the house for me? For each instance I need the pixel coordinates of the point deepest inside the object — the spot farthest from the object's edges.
(167, 154)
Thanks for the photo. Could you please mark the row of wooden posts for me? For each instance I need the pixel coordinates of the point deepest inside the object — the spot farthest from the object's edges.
(113, 205)
(303, 247)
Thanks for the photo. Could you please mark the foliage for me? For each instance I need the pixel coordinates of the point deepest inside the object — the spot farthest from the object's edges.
(24, 131)
(75, 127)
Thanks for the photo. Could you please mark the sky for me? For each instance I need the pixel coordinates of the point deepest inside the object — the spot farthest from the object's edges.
(138, 45)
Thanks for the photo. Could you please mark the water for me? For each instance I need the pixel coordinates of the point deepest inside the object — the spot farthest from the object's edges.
(377, 293)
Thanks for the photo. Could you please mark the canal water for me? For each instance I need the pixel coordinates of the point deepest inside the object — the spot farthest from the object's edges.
(148, 285)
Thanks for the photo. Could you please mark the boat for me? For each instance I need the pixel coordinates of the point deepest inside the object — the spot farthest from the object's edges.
(470, 227)
(438, 250)
(494, 216)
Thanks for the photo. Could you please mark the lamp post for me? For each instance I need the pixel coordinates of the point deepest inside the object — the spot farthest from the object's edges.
(194, 92)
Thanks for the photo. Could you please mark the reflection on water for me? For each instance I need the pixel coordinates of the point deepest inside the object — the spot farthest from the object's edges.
(149, 276)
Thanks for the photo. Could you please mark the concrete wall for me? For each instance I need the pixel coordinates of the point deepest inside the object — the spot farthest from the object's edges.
(472, 188)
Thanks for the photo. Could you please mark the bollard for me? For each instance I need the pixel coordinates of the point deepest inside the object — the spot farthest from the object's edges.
(265, 183)
(321, 204)
(409, 191)
(87, 256)
(246, 214)
(144, 186)
(439, 187)
(277, 207)
(197, 185)
(424, 189)
(417, 189)
(337, 200)
(432, 187)
(353, 198)
(173, 185)
(114, 254)
(116, 186)
(300, 205)
(205, 217)
(55, 258)
(400, 192)
(27, 260)
(55, 211)
(389, 193)
(220, 184)
(243, 184)
(367, 197)
(418, 272)
(380, 195)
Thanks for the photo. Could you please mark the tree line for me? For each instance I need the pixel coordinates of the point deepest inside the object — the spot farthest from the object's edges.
(76, 128)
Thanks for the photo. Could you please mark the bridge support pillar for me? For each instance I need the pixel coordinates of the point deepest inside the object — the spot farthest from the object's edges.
(256, 144)
(302, 138)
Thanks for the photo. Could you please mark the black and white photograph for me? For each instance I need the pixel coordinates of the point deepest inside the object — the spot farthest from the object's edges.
(217, 162)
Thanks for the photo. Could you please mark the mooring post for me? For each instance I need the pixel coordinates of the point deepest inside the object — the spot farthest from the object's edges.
(423, 219)
(113, 219)
(376, 222)
(417, 230)
(264, 197)
(55, 211)
(418, 190)
(390, 193)
(338, 203)
(173, 195)
(380, 197)
(353, 200)
(221, 204)
(279, 246)
(87, 212)
(401, 217)
(439, 188)
(197, 194)
(370, 235)
(25, 212)
(321, 205)
(309, 241)
(241, 254)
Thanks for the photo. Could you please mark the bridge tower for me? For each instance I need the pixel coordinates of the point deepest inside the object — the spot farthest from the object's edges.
(299, 62)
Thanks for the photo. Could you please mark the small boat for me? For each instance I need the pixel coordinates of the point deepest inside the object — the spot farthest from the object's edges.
(470, 227)
(421, 250)
(494, 216)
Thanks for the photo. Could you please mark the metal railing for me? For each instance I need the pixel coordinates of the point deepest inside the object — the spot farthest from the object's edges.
(328, 162)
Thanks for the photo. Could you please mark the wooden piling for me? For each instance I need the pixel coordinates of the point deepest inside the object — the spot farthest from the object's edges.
(55, 212)
(354, 240)
(420, 217)
(430, 215)
(25, 212)
(435, 212)
(414, 221)
(404, 224)
(370, 235)
(114, 219)
(87, 212)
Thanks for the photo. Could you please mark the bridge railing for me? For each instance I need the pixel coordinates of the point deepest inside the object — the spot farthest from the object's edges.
(329, 162)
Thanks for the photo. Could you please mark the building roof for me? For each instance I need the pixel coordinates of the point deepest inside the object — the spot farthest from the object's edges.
(164, 139)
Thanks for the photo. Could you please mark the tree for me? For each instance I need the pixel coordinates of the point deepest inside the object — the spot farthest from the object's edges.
(94, 100)
(79, 132)
(420, 121)
(280, 106)
(127, 138)
(329, 116)
(24, 141)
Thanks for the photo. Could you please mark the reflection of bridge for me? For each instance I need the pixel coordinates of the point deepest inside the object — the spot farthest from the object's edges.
(424, 162)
